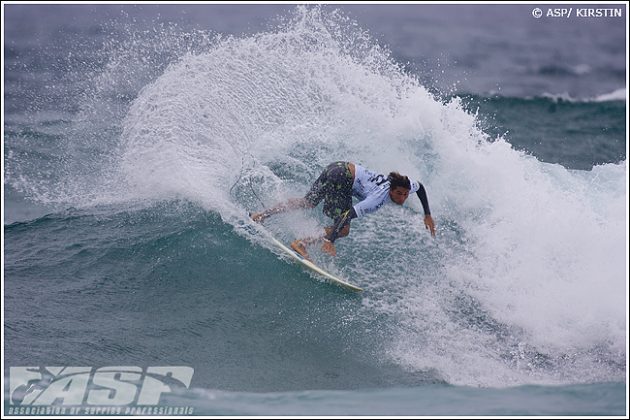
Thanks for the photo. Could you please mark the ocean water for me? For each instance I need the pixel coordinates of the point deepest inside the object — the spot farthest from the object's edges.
(137, 138)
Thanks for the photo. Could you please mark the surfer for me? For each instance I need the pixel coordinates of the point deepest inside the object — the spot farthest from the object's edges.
(337, 184)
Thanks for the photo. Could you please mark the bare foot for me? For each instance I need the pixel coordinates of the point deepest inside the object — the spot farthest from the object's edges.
(257, 217)
(329, 248)
(299, 247)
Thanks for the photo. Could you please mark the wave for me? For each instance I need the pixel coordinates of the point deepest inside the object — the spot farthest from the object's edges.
(249, 321)
(577, 135)
(594, 399)
(525, 281)
(616, 95)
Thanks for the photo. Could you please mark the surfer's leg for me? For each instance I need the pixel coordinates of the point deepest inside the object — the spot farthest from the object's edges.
(299, 245)
(345, 231)
(291, 204)
(320, 188)
(334, 186)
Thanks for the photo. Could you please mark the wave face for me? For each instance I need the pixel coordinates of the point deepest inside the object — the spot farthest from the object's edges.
(525, 282)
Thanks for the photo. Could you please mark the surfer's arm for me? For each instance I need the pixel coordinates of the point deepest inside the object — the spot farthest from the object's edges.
(337, 230)
(292, 204)
(424, 200)
(333, 233)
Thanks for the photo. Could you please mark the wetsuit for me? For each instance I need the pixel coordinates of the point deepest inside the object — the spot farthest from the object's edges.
(336, 186)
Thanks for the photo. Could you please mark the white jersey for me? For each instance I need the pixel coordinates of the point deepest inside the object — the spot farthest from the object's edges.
(372, 189)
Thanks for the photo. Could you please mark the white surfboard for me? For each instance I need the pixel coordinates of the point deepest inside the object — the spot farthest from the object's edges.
(310, 265)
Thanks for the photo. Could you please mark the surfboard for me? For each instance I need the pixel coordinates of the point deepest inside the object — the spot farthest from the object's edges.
(310, 265)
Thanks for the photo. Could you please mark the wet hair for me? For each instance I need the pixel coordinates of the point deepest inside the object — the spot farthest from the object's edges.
(397, 180)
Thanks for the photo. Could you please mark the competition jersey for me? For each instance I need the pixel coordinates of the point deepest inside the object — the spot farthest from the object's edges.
(372, 190)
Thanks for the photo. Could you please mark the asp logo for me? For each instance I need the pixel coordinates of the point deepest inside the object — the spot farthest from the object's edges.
(111, 385)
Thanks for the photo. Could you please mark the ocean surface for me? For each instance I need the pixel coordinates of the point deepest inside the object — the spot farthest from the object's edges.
(138, 137)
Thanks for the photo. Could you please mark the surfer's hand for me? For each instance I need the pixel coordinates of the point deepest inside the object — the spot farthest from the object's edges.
(429, 224)
(329, 248)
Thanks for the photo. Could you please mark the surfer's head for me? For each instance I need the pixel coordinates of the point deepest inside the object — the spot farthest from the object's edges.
(399, 187)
